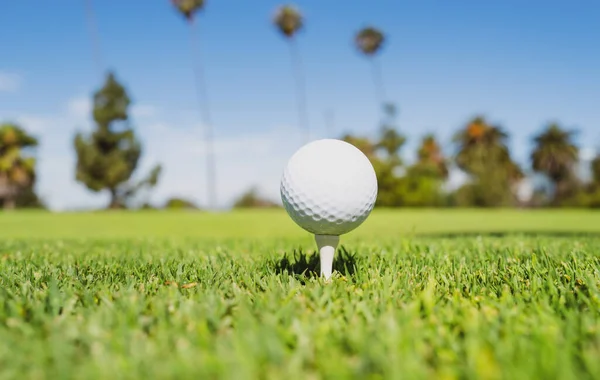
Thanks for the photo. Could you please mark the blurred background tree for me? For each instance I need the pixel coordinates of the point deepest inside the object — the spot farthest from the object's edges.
(289, 22)
(483, 154)
(556, 155)
(29, 199)
(417, 185)
(369, 42)
(384, 154)
(389, 165)
(180, 204)
(17, 167)
(596, 170)
(421, 186)
(430, 154)
(592, 196)
(189, 9)
(108, 157)
(252, 199)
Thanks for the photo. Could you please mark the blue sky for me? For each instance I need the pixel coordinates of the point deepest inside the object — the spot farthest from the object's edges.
(520, 63)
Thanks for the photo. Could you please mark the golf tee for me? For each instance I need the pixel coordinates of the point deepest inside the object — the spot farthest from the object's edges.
(327, 245)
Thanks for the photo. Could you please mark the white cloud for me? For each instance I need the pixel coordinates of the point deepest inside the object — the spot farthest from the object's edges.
(9, 82)
(33, 123)
(79, 108)
(587, 154)
(139, 111)
(242, 161)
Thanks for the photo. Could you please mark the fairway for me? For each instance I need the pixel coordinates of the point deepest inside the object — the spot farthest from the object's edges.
(419, 294)
(276, 224)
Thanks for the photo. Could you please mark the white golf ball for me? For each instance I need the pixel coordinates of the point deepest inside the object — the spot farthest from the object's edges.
(329, 187)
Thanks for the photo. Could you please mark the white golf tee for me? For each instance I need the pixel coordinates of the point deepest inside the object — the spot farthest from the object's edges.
(327, 245)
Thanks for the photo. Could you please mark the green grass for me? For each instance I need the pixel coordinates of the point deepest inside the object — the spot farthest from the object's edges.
(418, 294)
(273, 224)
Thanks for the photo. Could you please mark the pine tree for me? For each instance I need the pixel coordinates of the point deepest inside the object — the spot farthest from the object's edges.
(108, 157)
(556, 155)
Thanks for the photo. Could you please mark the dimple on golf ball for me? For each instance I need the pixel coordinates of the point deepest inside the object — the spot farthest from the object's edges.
(329, 187)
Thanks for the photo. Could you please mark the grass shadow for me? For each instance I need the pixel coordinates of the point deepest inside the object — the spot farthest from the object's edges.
(302, 265)
(501, 234)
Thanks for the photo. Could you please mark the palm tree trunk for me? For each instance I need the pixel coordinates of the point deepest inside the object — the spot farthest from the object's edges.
(7, 193)
(563, 190)
(206, 118)
(300, 89)
(377, 73)
(114, 200)
(329, 116)
(94, 37)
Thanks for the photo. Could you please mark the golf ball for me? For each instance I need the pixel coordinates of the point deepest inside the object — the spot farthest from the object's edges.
(329, 187)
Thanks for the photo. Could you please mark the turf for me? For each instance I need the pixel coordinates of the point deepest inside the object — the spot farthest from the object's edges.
(417, 294)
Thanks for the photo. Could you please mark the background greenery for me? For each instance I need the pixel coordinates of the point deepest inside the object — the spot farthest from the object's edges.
(107, 158)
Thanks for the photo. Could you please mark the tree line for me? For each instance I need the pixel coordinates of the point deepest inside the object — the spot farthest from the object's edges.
(108, 156)
(481, 151)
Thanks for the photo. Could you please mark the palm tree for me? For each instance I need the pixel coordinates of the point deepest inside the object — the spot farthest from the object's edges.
(369, 42)
(478, 143)
(483, 153)
(329, 116)
(596, 170)
(555, 155)
(17, 171)
(391, 141)
(289, 21)
(188, 9)
(430, 153)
